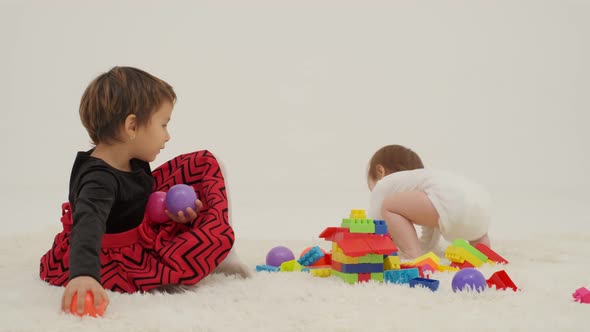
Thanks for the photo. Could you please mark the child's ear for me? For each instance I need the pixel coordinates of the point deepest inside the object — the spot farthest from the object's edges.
(380, 171)
(131, 126)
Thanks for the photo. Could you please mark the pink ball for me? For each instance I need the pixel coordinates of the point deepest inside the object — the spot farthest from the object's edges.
(155, 207)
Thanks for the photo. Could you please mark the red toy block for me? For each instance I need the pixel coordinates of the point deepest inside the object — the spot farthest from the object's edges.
(582, 295)
(354, 247)
(364, 277)
(492, 255)
(336, 266)
(463, 265)
(412, 266)
(328, 258)
(501, 280)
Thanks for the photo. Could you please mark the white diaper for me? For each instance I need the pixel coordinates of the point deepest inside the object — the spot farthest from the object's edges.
(463, 208)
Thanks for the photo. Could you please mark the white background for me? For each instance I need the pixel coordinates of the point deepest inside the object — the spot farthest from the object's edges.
(294, 97)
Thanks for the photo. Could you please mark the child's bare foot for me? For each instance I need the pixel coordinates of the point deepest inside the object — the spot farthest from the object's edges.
(483, 240)
(232, 265)
(234, 268)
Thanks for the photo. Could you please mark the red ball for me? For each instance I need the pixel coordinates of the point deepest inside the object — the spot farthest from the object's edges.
(89, 308)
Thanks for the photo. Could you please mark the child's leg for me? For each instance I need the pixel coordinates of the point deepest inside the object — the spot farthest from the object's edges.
(232, 264)
(401, 211)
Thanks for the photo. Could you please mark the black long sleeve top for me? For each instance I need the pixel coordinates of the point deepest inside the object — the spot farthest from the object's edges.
(103, 200)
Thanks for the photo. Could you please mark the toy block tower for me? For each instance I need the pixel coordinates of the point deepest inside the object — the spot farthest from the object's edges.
(359, 248)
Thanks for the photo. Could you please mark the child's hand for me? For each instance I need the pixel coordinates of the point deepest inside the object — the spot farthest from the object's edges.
(81, 285)
(187, 217)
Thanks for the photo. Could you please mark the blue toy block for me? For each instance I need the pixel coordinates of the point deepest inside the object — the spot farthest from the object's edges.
(313, 255)
(267, 268)
(429, 283)
(401, 276)
(362, 268)
(380, 227)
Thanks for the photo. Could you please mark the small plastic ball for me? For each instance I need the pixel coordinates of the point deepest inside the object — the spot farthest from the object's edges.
(179, 198)
(89, 308)
(278, 255)
(156, 206)
(469, 278)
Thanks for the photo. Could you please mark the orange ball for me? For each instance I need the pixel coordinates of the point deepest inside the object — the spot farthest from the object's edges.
(320, 262)
(89, 308)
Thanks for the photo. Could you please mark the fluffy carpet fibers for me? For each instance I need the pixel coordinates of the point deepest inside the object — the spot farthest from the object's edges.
(546, 269)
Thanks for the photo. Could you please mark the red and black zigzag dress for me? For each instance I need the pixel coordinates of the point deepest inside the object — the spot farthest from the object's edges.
(153, 255)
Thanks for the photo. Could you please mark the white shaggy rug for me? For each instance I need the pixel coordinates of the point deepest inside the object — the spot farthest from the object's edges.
(547, 269)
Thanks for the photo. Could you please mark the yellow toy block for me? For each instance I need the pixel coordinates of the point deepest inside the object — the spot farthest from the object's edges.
(430, 255)
(335, 248)
(358, 214)
(444, 268)
(322, 273)
(391, 263)
(291, 266)
(460, 255)
(339, 256)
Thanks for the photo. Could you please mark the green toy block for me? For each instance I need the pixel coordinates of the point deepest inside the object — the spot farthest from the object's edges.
(351, 278)
(346, 223)
(377, 276)
(362, 226)
(371, 259)
(470, 249)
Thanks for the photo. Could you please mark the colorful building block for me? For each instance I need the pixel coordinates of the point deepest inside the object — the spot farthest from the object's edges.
(582, 295)
(358, 214)
(361, 268)
(432, 256)
(401, 276)
(312, 256)
(380, 227)
(350, 278)
(428, 283)
(444, 268)
(291, 266)
(322, 272)
(470, 249)
(391, 263)
(377, 276)
(461, 266)
(501, 280)
(362, 226)
(492, 255)
(364, 277)
(460, 255)
(267, 268)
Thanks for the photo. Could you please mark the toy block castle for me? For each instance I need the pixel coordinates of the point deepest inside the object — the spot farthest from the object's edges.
(361, 248)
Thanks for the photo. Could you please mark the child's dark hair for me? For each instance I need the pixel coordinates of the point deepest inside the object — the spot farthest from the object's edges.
(394, 158)
(118, 93)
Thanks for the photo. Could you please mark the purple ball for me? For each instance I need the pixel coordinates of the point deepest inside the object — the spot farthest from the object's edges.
(179, 198)
(155, 207)
(469, 278)
(278, 255)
